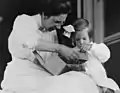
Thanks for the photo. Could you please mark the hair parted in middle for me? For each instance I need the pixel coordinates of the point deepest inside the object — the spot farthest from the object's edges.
(57, 7)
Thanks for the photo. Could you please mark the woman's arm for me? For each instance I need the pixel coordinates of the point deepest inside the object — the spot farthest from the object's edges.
(24, 39)
(68, 53)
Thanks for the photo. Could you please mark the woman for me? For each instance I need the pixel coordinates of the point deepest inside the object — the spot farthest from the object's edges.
(37, 33)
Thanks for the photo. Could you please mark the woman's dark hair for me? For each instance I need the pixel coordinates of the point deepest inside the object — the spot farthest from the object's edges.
(57, 7)
(49, 7)
(79, 24)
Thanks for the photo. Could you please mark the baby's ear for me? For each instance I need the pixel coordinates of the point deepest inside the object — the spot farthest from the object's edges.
(91, 39)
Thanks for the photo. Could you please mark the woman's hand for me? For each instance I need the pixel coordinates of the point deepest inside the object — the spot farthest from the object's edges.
(69, 53)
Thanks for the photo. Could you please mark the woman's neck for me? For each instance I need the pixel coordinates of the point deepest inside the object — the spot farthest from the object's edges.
(39, 19)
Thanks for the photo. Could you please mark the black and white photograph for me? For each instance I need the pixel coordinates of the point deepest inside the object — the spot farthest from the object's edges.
(59, 46)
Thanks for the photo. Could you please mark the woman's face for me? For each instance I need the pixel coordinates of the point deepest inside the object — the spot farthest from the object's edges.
(82, 37)
(54, 22)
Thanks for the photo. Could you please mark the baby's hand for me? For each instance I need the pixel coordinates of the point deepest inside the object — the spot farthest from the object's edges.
(85, 47)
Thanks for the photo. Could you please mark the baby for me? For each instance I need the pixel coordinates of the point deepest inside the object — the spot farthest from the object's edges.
(97, 55)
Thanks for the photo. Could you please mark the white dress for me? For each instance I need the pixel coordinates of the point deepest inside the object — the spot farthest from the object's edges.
(22, 75)
(99, 54)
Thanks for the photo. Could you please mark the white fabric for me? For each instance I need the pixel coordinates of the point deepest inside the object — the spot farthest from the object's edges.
(68, 30)
(99, 54)
(23, 76)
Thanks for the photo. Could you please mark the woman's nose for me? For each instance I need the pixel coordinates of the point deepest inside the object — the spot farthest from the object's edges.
(58, 26)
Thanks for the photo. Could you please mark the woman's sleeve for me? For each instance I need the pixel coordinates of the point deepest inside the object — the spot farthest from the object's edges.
(23, 37)
(100, 51)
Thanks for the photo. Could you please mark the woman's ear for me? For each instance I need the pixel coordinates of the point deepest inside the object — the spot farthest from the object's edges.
(44, 16)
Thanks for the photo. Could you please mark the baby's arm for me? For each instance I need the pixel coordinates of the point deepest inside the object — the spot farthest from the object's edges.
(100, 51)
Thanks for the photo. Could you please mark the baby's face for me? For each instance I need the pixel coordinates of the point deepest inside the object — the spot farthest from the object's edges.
(82, 37)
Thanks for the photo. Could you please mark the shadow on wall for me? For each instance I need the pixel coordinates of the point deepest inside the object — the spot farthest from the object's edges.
(112, 38)
(4, 53)
(113, 64)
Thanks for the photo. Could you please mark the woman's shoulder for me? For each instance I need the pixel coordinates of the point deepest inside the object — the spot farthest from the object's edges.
(24, 19)
(24, 22)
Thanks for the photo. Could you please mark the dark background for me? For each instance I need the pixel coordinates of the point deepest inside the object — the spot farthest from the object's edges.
(9, 9)
(112, 17)
(112, 26)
